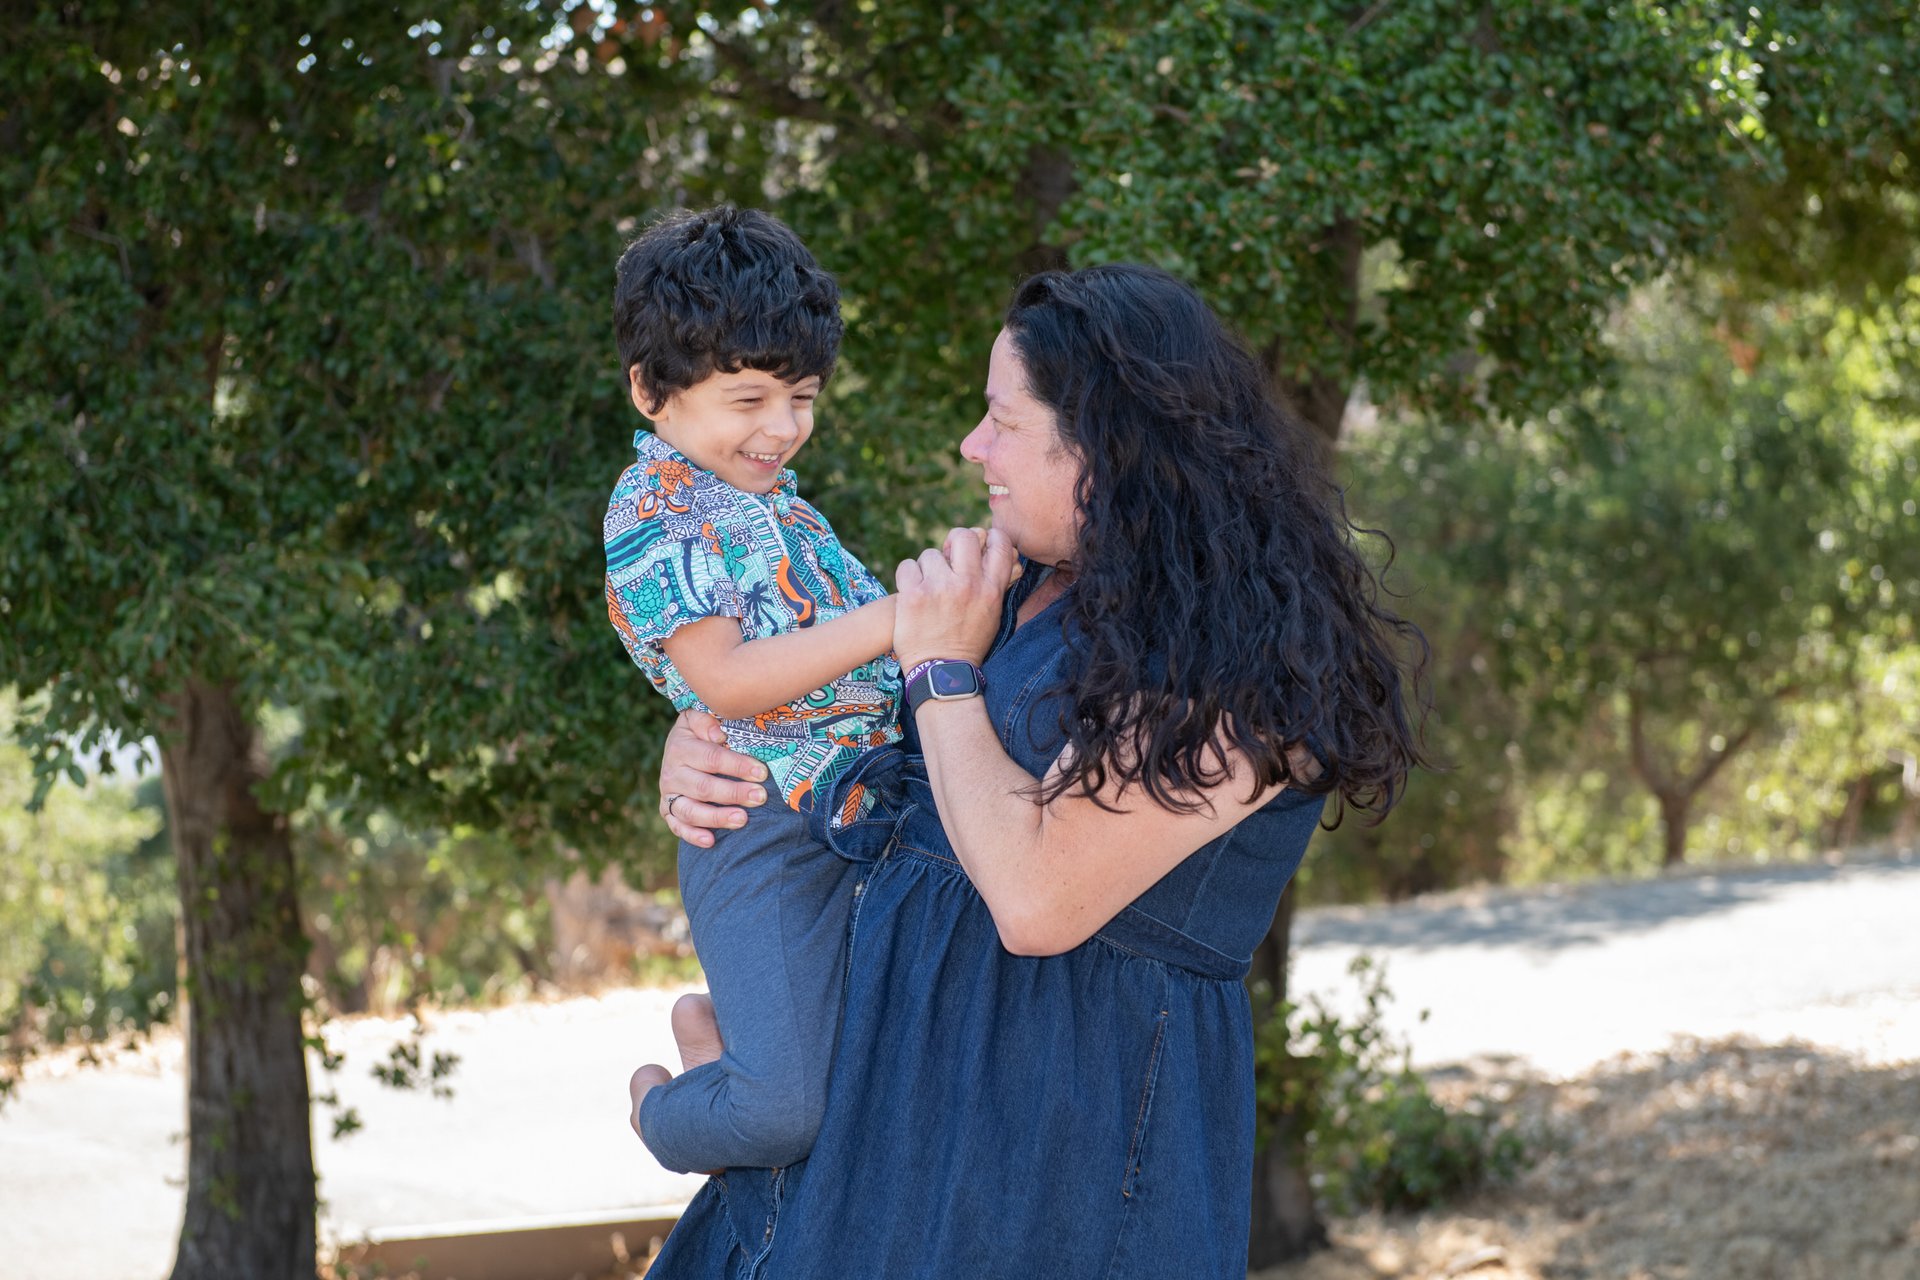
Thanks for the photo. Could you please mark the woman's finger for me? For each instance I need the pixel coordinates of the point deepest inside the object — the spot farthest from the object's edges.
(962, 548)
(906, 576)
(999, 561)
(699, 741)
(710, 786)
(934, 567)
(695, 821)
(703, 726)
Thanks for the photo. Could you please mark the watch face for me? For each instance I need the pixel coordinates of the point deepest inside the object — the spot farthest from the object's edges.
(952, 680)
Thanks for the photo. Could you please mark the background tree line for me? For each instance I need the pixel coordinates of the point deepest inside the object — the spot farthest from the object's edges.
(1603, 306)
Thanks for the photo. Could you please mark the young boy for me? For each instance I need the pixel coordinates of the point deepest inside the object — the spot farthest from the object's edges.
(734, 596)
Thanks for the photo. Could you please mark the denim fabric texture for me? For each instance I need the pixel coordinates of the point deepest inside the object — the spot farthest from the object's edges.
(1087, 1116)
(767, 906)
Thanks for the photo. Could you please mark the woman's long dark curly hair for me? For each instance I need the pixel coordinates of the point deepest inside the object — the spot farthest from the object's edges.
(1219, 594)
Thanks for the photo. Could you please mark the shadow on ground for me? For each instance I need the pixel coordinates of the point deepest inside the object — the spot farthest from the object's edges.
(1735, 1160)
(1563, 916)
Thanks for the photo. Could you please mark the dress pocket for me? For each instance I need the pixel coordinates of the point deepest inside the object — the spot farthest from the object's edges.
(1143, 1110)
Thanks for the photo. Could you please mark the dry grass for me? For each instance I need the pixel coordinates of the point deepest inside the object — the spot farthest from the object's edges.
(1726, 1160)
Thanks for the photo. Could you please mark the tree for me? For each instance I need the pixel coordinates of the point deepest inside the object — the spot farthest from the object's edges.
(1679, 559)
(312, 402)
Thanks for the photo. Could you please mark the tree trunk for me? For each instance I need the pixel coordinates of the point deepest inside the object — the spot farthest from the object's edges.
(1907, 824)
(1673, 827)
(1673, 790)
(1285, 1223)
(1846, 828)
(1319, 397)
(250, 1185)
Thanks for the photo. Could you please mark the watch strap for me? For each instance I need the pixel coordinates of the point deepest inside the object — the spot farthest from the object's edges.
(943, 680)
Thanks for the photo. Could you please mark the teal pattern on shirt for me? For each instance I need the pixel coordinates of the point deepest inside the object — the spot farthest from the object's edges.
(683, 544)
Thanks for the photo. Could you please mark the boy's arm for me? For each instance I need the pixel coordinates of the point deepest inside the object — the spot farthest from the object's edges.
(739, 678)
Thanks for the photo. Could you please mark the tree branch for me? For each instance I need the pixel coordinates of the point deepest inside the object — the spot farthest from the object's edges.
(1716, 760)
(781, 98)
(1640, 752)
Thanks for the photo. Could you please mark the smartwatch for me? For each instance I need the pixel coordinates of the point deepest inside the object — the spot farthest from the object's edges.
(944, 680)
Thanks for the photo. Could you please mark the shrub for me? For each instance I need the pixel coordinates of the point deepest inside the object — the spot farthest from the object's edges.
(1374, 1134)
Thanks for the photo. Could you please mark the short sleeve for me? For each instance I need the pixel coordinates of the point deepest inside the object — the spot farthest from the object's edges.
(663, 571)
(838, 563)
(865, 587)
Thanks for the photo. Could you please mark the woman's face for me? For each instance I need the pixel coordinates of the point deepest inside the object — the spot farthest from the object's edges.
(1031, 475)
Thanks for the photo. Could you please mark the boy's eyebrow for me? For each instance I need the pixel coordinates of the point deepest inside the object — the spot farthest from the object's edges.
(805, 384)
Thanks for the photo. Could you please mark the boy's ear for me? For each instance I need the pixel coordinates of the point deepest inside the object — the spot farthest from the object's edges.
(637, 392)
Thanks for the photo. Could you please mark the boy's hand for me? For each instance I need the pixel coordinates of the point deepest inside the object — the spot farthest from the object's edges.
(698, 794)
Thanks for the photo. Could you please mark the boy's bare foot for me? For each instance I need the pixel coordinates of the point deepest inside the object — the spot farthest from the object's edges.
(647, 1077)
(696, 1031)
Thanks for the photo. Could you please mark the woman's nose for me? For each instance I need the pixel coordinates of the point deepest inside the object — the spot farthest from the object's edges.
(974, 447)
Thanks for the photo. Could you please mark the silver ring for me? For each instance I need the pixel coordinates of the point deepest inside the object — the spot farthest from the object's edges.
(667, 812)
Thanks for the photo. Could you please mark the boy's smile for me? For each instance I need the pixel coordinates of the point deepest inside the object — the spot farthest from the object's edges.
(744, 427)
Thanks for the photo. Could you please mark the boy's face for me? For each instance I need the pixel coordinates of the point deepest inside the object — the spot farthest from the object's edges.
(744, 427)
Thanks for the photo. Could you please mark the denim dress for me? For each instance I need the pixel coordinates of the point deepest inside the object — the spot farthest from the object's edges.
(1087, 1115)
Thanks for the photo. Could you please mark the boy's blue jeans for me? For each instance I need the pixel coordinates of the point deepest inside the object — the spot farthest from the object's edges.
(768, 907)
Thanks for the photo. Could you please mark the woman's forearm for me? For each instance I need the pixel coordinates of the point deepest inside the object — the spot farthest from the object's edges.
(994, 824)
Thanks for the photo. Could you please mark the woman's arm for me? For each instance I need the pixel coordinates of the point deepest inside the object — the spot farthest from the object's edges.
(1052, 875)
(738, 678)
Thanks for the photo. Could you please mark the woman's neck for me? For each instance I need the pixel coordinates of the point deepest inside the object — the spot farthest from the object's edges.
(1054, 585)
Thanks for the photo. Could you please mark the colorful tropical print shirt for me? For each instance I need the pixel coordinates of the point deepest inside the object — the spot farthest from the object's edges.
(683, 544)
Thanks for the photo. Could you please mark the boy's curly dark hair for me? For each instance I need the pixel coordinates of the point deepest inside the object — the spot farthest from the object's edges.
(1219, 593)
(718, 291)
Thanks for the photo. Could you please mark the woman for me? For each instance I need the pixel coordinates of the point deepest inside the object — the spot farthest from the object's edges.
(1045, 1061)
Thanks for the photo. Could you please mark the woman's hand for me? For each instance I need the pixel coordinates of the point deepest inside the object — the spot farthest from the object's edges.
(697, 793)
(950, 599)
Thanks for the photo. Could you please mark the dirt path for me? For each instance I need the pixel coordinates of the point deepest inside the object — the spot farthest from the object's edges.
(1565, 977)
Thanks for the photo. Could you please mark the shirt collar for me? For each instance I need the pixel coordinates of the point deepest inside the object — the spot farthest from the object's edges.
(652, 448)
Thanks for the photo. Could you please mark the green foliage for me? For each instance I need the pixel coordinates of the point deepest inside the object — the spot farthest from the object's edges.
(1723, 539)
(399, 916)
(1514, 171)
(316, 395)
(86, 910)
(1446, 496)
(1836, 212)
(1374, 1135)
